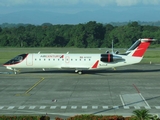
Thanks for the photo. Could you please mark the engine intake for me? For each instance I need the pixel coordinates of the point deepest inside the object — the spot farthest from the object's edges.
(107, 57)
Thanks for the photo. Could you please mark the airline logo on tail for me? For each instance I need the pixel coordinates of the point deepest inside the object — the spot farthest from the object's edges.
(139, 48)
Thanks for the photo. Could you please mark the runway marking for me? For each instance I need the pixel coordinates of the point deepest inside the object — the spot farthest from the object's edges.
(122, 100)
(105, 107)
(157, 107)
(24, 94)
(10, 107)
(137, 107)
(32, 107)
(94, 107)
(84, 107)
(53, 107)
(21, 107)
(141, 95)
(136, 88)
(146, 107)
(126, 107)
(144, 99)
(42, 107)
(34, 86)
(63, 107)
(116, 107)
(73, 107)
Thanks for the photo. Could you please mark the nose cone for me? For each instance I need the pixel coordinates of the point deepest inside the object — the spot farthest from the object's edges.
(7, 63)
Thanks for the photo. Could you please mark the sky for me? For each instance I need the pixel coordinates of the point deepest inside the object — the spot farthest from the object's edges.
(78, 11)
(70, 6)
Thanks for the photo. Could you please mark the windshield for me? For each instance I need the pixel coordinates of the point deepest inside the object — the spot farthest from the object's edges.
(16, 60)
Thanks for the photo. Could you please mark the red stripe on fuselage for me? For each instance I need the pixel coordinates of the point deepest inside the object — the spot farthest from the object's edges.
(141, 49)
(96, 64)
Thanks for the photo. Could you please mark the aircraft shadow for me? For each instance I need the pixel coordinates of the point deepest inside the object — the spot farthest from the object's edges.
(92, 71)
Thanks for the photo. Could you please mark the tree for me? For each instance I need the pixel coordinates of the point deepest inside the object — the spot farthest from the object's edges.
(142, 114)
(0, 29)
(94, 34)
(90, 34)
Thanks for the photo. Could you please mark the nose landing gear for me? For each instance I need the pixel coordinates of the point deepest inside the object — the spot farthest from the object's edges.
(15, 71)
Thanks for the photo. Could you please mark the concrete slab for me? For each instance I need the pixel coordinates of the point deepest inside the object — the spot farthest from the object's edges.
(133, 100)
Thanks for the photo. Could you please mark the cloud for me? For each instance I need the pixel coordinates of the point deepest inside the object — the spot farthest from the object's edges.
(73, 2)
(38, 2)
(14, 2)
(121, 2)
(127, 2)
(154, 2)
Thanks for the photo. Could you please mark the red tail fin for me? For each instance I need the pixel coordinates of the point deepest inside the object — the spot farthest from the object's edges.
(141, 49)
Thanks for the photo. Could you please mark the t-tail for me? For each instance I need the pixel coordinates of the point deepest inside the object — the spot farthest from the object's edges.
(139, 47)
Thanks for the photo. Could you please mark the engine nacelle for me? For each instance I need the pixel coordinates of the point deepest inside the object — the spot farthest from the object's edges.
(106, 58)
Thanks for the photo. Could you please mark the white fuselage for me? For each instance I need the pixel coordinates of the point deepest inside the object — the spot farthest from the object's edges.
(72, 61)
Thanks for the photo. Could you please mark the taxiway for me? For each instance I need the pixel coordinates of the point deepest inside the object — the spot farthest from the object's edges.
(64, 93)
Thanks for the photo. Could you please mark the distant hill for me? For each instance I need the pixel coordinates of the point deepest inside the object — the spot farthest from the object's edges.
(116, 17)
(157, 23)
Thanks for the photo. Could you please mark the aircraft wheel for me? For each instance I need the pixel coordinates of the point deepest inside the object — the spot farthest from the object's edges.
(76, 71)
(79, 72)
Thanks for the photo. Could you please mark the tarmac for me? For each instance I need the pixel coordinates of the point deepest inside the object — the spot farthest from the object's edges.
(64, 93)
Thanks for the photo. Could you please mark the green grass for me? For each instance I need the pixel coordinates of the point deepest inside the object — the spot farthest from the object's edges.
(6, 54)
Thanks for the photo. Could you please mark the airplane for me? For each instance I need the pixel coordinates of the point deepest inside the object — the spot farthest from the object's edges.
(80, 62)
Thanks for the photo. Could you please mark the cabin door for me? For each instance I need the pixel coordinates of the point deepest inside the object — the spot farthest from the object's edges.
(29, 60)
(67, 59)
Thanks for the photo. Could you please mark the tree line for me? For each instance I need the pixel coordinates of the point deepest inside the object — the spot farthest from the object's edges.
(87, 35)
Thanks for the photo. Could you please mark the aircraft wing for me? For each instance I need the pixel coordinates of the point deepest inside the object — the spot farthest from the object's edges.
(77, 68)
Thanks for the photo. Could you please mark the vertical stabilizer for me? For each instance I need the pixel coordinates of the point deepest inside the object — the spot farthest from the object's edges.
(139, 47)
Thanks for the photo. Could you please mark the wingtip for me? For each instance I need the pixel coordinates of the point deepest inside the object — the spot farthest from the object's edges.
(148, 39)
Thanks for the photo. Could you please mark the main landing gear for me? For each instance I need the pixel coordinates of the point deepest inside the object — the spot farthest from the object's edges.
(78, 71)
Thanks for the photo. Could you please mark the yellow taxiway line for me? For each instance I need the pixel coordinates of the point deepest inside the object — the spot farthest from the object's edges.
(34, 86)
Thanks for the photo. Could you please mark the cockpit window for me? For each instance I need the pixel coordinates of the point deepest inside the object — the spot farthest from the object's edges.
(16, 60)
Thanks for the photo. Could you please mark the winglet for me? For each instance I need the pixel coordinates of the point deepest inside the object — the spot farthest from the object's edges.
(148, 40)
